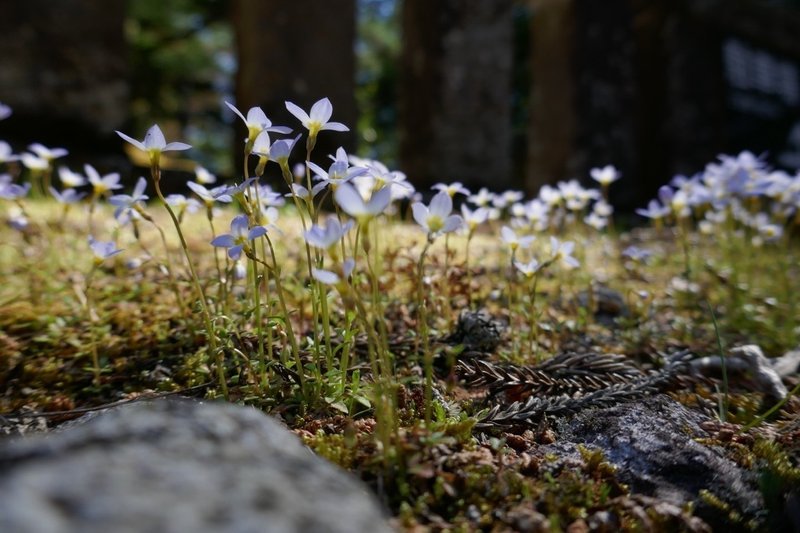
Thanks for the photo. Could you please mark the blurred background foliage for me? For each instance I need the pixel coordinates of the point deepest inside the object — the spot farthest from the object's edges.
(185, 64)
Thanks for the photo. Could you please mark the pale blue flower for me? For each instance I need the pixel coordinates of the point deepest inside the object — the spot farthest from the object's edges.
(654, 211)
(210, 196)
(637, 254)
(328, 236)
(67, 196)
(339, 172)
(126, 202)
(6, 154)
(5, 111)
(183, 204)
(328, 277)
(13, 191)
(240, 236)
(102, 250)
(282, 149)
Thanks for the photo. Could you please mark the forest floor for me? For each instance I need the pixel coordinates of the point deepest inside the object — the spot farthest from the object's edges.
(507, 383)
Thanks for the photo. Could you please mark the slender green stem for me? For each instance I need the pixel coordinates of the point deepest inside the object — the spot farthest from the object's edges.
(422, 326)
(468, 268)
(170, 273)
(285, 310)
(212, 335)
(92, 325)
(259, 324)
(723, 407)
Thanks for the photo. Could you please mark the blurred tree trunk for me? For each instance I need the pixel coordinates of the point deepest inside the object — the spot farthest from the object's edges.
(552, 115)
(455, 92)
(298, 51)
(65, 73)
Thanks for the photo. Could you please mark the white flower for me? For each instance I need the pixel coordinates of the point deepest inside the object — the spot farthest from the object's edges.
(154, 143)
(436, 218)
(514, 242)
(6, 154)
(562, 252)
(48, 154)
(257, 122)
(474, 218)
(318, 119)
(70, 179)
(452, 189)
(482, 199)
(529, 269)
(352, 203)
(204, 177)
(33, 162)
(596, 221)
(605, 176)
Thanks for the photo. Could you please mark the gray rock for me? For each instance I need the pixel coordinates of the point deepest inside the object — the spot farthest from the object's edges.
(653, 443)
(177, 466)
(788, 364)
(749, 358)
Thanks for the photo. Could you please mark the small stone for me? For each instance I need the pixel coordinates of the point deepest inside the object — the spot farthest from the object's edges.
(477, 331)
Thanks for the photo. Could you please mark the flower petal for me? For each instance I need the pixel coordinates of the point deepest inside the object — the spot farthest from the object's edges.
(239, 113)
(452, 223)
(154, 138)
(349, 200)
(240, 225)
(335, 126)
(317, 170)
(255, 115)
(235, 252)
(223, 241)
(176, 146)
(256, 232)
(279, 129)
(137, 144)
(324, 276)
(295, 110)
(420, 214)
(348, 266)
(380, 201)
(321, 111)
(441, 204)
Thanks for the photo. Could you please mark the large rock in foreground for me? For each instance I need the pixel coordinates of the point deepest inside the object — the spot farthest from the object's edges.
(177, 466)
